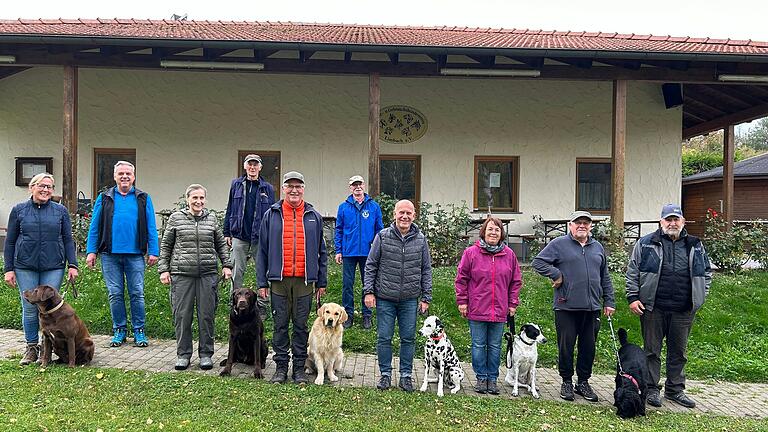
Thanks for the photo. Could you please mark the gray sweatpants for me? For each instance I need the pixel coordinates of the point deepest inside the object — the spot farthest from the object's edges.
(241, 250)
(188, 293)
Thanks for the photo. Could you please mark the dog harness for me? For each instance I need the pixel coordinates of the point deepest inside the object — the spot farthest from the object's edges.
(632, 379)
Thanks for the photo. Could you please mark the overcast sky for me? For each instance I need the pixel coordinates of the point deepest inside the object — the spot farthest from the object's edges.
(735, 19)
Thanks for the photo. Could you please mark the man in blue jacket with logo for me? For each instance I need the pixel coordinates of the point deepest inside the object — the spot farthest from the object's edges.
(357, 223)
(249, 197)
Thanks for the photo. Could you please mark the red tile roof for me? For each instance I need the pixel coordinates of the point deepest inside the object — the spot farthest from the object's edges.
(459, 37)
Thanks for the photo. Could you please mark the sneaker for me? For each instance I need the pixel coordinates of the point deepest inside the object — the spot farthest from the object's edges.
(584, 389)
(119, 337)
(481, 386)
(348, 323)
(206, 363)
(299, 377)
(181, 363)
(281, 375)
(566, 391)
(681, 399)
(367, 320)
(492, 388)
(30, 355)
(384, 382)
(653, 399)
(406, 384)
(140, 338)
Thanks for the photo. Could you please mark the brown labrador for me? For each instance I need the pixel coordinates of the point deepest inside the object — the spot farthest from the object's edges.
(63, 331)
(246, 334)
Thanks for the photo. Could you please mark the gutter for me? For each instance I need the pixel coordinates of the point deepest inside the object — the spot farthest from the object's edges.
(402, 49)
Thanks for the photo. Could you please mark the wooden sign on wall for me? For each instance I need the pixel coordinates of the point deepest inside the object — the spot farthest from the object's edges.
(401, 124)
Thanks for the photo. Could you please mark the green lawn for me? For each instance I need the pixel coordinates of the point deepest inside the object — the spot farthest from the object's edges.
(728, 342)
(92, 399)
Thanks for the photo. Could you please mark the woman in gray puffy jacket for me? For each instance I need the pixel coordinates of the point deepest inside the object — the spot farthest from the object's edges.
(192, 246)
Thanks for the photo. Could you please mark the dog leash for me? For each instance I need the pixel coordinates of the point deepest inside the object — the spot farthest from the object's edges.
(70, 285)
(510, 336)
(618, 359)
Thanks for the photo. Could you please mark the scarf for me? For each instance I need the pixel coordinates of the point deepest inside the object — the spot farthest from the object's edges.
(491, 249)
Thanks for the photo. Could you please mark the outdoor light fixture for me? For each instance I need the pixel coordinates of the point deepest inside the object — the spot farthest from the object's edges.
(183, 64)
(490, 72)
(743, 78)
(7, 59)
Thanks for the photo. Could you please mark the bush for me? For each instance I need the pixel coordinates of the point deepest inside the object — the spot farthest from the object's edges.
(80, 225)
(726, 242)
(612, 238)
(757, 236)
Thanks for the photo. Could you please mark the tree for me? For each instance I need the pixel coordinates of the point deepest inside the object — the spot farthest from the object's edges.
(757, 137)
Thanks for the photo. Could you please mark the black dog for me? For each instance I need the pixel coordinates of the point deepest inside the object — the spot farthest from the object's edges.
(246, 334)
(630, 394)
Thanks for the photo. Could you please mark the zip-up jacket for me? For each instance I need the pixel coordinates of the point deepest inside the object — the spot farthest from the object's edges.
(193, 246)
(356, 228)
(488, 283)
(39, 238)
(644, 269)
(399, 267)
(271, 247)
(586, 283)
(233, 219)
(115, 230)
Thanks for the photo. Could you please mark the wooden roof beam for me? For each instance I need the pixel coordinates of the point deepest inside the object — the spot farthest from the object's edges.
(394, 58)
(440, 60)
(304, 56)
(534, 62)
(214, 53)
(583, 63)
(705, 102)
(485, 61)
(261, 55)
(721, 122)
(625, 64)
(720, 92)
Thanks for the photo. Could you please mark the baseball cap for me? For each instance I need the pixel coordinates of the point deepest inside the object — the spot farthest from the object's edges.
(580, 214)
(252, 157)
(293, 175)
(356, 178)
(671, 210)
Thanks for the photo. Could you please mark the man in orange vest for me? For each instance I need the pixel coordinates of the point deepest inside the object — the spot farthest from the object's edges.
(292, 263)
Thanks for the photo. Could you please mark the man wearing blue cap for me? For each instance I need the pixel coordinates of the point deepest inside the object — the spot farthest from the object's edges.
(668, 278)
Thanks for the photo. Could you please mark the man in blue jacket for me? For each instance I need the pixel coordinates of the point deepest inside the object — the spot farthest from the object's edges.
(249, 197)
(123, 230)
(358, 220)
(577, 265)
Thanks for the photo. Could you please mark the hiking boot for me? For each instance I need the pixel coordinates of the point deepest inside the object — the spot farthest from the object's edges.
(681, 399)
(140, 338)
(348, 323)
(30, 355)
(566, 391)
(406, 384)
(384, 382)
(206, 363)
(481, 386)
(653, 399)
(281, 375)
(492, 388)
(584, 389)
(119, 337)
(299, 377)
(181, 363)
(367, 320)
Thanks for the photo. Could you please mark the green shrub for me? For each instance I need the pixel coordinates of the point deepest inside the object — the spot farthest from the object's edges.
(612, 238)
(726, 242)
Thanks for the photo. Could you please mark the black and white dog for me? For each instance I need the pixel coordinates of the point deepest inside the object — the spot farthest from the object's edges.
(440, 357)
(630, 394)
(522, 355)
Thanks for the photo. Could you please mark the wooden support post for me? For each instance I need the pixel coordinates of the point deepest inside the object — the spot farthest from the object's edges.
(69, 172)
(728, 149)
(617, 151)
(374, 93)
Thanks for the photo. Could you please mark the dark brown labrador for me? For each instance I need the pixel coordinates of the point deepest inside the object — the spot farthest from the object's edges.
(63, 331)
(246, 334)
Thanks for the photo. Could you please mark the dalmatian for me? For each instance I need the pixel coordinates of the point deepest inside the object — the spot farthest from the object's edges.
(440, 357)
(522, 355)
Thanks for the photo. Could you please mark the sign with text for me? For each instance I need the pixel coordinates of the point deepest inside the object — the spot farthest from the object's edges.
(401, 124)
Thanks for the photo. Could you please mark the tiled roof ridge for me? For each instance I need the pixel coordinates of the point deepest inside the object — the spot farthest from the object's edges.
(530, 32)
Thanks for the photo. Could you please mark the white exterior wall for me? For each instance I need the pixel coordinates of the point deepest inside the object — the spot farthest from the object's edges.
(186, 128)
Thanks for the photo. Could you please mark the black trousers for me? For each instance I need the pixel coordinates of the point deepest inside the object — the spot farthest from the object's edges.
(290, 308)
(657, 325)
(572, 326)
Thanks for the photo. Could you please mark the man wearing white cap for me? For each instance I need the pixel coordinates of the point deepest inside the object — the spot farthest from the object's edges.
(668, 278)
(358, 220)
(577, 265)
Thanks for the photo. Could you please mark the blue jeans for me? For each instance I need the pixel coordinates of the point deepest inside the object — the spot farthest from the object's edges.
(486, 348)
(27, 280)
(405, 311)
(348, 283)
(118, 269)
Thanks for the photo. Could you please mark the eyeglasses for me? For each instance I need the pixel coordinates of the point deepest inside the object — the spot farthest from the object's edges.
(44, 186)
(293, 187)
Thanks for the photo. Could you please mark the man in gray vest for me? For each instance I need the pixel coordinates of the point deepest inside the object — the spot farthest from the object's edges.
(668, 278)
(398, 282)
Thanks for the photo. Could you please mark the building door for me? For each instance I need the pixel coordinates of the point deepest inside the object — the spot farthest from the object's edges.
(270, 166)
(104, 160)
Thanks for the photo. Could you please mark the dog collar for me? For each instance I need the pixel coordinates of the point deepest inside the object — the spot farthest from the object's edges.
(521, 340)
(54, 309)
(631, 379)
(437, 338)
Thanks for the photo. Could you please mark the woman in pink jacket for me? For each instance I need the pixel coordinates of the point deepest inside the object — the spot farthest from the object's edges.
(488, 284)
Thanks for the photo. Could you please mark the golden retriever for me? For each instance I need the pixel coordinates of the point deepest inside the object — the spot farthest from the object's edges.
(325, 355)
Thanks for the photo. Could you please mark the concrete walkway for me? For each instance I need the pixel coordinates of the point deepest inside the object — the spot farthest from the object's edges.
(722, 398)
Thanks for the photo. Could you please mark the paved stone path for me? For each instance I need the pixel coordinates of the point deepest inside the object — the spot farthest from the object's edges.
(722, 398)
